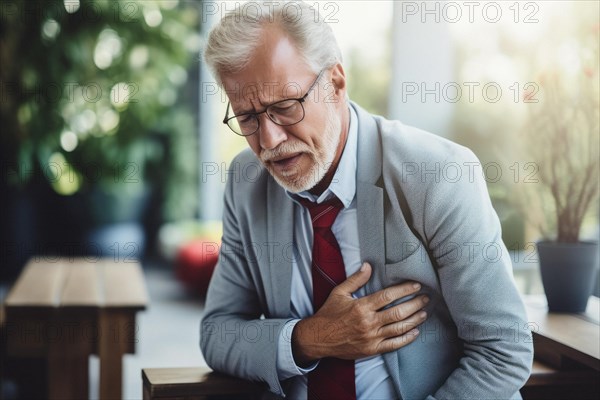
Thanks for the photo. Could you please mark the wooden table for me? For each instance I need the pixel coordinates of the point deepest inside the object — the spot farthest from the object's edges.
(68, 309)
(570, 345)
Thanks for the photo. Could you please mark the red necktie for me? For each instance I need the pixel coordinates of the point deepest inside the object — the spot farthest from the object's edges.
(333, 378)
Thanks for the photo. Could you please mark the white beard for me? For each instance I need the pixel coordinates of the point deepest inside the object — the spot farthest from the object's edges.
(296, 181)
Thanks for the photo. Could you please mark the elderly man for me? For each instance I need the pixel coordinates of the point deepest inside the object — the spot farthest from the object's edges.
(350, 268)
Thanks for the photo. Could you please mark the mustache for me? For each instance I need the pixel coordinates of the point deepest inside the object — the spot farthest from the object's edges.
(284, 149)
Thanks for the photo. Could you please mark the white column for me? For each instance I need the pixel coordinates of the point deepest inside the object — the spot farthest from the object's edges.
(422, 64)
(210, 190)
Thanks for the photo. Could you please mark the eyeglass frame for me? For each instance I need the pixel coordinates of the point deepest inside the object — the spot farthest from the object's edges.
(300, 100)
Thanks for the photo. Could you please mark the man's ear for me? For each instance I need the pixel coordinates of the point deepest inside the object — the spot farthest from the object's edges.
(338, 80)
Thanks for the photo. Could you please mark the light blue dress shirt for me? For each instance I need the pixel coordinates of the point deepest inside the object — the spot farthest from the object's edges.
(371, 376)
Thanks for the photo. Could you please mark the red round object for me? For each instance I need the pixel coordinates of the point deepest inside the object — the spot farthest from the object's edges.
(196, 262)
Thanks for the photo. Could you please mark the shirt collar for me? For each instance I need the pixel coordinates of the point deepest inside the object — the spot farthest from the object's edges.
(343, 184)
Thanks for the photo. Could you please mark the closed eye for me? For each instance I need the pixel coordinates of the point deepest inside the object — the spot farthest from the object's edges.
(244, 119)
(283, 107)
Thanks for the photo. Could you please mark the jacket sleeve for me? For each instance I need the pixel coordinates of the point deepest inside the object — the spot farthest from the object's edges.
(234, 339)
(478, 288)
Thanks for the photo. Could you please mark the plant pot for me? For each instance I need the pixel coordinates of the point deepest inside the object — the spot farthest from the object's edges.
(569, 273)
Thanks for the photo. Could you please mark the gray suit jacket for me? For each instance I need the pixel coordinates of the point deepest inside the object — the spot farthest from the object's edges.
(424, 214)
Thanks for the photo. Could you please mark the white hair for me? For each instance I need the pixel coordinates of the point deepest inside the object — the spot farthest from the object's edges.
(233, 40)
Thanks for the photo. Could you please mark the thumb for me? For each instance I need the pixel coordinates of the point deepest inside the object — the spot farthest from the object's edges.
(356, 280)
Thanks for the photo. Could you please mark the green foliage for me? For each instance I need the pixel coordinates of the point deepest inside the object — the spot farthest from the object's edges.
(88, 94)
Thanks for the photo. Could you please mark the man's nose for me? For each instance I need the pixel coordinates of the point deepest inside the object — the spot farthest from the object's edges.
(270, 134)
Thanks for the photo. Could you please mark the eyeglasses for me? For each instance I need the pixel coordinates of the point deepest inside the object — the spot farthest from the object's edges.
(284, 113)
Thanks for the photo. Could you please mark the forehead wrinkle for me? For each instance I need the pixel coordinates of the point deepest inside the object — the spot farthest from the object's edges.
(253, 109)
(264, 104)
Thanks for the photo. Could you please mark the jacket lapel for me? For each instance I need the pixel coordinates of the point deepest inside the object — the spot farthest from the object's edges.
(370, 214)
(277, 248)
(369, 198)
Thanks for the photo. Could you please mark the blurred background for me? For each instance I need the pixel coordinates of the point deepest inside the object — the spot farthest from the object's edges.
(111, 127)
(112, 144)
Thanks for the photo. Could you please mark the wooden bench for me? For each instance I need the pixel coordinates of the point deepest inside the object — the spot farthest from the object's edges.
(65, 310)
(203, 383)
(566, 364)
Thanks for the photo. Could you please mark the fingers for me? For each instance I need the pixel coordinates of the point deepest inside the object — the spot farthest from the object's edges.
(402, 311)
(356, 280)
(390, 294)
(397, 342)
(401, 327)
(369, 327)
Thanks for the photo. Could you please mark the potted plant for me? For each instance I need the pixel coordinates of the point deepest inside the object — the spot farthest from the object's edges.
(90, 127)
(561, 137)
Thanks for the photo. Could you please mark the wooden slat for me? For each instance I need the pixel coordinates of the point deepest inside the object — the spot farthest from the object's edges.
(81, 285)
(182, 382)
(174, 376)
(39, 285)
(575, 336)
(123, 285)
